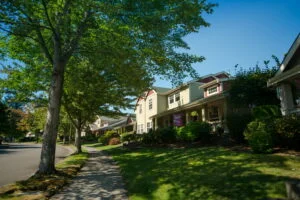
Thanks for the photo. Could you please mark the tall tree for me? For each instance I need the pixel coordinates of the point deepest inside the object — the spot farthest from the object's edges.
(91, 90)
(45, 34)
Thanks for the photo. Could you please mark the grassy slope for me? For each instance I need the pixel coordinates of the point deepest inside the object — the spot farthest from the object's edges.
(204, 173)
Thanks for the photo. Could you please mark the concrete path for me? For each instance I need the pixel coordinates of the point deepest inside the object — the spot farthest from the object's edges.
(99, 179)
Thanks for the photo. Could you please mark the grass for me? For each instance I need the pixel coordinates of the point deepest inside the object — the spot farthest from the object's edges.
(43, 186)
(203, 173)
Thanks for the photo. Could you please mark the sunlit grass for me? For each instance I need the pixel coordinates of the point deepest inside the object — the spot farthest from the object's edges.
(204, 173)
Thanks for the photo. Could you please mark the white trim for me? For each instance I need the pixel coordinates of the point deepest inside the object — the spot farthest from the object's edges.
(212, 87)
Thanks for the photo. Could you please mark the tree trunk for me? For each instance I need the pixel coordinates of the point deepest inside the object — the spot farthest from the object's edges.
(47, 162)
(78, 139)
(64, 138)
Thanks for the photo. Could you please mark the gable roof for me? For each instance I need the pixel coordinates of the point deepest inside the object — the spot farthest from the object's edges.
(161, 90)
(289, 60)
(289, 55)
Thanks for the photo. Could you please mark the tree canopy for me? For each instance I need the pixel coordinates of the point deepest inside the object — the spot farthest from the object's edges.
(134, 36)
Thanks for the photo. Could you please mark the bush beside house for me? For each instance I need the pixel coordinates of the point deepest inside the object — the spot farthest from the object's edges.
(108, 136)
(288, 131)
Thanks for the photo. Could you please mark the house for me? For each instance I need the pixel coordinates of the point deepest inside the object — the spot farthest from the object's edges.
(120, 124)
(203, 99)
(148, 104)
(287, 80)
(206, 102)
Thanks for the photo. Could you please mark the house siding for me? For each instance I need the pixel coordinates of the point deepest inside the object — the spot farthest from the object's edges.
(195, 92)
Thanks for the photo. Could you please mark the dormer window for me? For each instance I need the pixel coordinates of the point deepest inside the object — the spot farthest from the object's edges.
(212, 90)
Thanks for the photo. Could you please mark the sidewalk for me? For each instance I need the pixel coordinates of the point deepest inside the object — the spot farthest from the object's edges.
(99, 179)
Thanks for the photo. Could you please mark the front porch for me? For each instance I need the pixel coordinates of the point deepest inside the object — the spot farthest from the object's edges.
(288, 90)
(212, 110)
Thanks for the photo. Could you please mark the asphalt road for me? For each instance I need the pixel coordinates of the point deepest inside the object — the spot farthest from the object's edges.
(20, 161)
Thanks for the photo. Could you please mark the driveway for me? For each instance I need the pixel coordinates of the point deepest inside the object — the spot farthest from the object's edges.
(20, 161)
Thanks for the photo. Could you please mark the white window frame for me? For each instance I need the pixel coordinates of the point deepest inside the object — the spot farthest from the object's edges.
(150, 104)
(177, 96)
(171, 99)
(212, 88)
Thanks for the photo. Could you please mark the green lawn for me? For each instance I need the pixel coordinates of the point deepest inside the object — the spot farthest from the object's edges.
(203, 173)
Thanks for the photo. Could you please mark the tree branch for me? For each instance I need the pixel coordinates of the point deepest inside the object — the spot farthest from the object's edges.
(18, 34)
(80, 30)
(48, 19)
(40, 38)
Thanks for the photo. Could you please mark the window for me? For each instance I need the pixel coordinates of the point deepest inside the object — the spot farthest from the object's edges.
(149, 126)
(212, 90)
(140, 108)
(150, 104)
(171, 99)
(177, 97)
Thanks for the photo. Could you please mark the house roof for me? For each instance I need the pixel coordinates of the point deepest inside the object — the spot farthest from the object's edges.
(218, 80)
(289, 55)
(211, 77)
(160, 90)
(284, 72)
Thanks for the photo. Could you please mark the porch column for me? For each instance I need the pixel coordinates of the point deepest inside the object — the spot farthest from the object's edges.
(199, 115)
(203, 113)
(286, 98)
(187, 117)
(155, 123)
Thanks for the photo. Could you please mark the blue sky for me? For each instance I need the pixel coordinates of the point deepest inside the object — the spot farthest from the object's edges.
(244, 33)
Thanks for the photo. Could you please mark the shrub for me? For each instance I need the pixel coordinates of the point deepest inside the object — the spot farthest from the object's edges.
(199, 130)
(129, 137)
(89, 138)
(237, 123)
(165, 135)
(114, 141)
(259, 137)
(149, 138)
(182, 134)
(104, 139)
(266, 112)
(194, 131)
(288, 131)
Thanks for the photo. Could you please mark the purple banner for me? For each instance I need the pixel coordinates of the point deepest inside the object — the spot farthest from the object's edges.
(178, 119)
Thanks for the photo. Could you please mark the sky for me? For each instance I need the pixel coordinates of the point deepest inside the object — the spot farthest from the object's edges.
(244, 32)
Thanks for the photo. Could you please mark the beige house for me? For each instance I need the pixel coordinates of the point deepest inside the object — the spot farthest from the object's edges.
(149, 104)
(287, 80)
(120, 124)
(200, 100)
(206, 102)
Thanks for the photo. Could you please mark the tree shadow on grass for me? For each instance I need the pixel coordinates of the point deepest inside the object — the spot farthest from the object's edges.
(202, 173)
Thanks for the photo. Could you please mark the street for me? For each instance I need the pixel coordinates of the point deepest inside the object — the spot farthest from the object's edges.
(20, 161)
